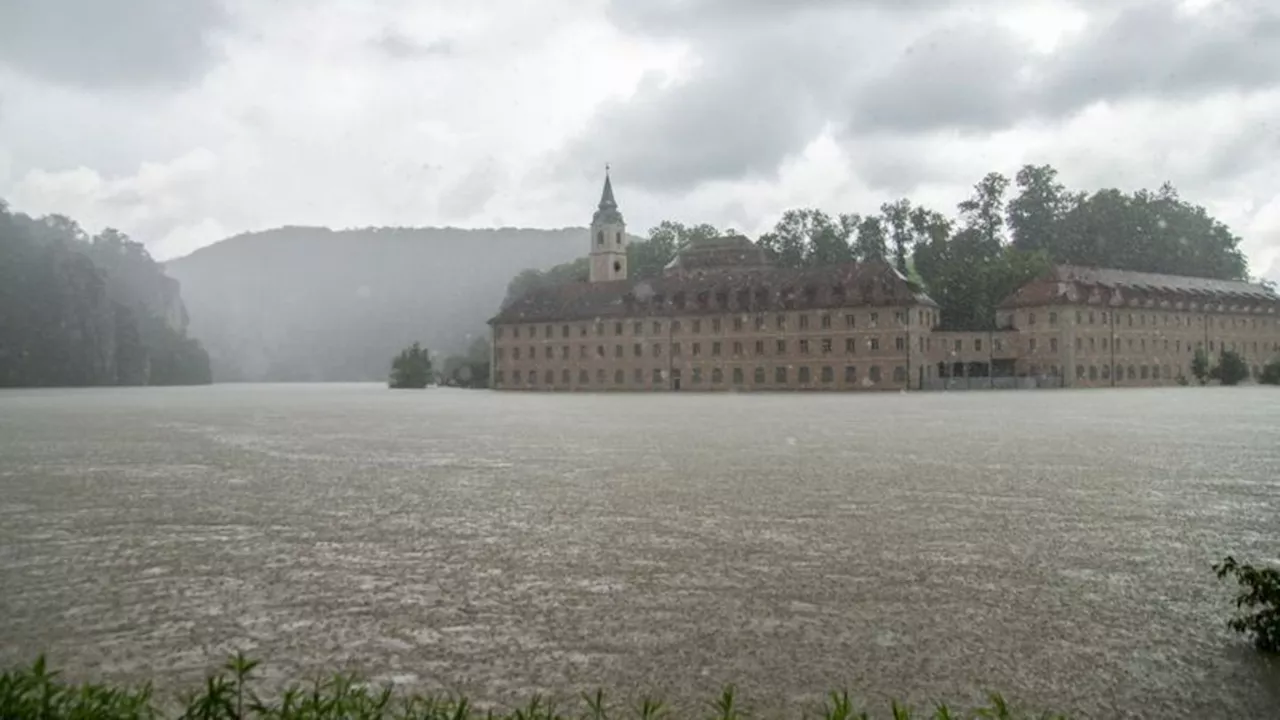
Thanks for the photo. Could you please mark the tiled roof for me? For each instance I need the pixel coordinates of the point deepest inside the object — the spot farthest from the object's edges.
(1071, 283)
(720, 290)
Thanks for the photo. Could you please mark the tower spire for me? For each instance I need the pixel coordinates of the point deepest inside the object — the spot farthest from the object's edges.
(606, 197)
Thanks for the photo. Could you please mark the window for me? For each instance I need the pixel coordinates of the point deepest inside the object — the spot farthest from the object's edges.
(1053, 318)
(1106, 342)
(715, 349)
(1080, 372)
(675, 349)
(600, 376)
(1080, 343)
(564, 377)
(715, 325)
(637, 327)
(737, 376)
(997, 344)
(875, 319)
(582, 351)
(759, 322)
(515, 331)
(826, 346)
(599, 328)
(1053, 344)
(637, 350)
(657, 376)
(639, 376)
(737, 348)
(826, 322)
(737, 323)
(1032, 344)
(599, 237)
(1133, 375)
(780, 375)
(829, 375)
(899, 374)
(657, 349)
(515, 351)
(759, 347)
(1106, 372)
(497, 332)
(617, 351)
(717, 376)
(582, 331)
(959, 345)
(899, 343)
(804, 377)
(850, 374)
(515, 377)
(900, 317)
(564, 331)
(619, 378)
(875, 343)
(850, 322)
(758, 377)
(1031, 318)
(977, 345)
(599, 351)
(676, 326)
(564, 352)
(782, 347)
(657, 327)
(617, 328)
(550, 331)
(1143, 344)
(1079, 320)
(697, 326)
(804, 347)
(781, 321)
(697, 349)
(804, 322)
(874, 374)
(697, 376)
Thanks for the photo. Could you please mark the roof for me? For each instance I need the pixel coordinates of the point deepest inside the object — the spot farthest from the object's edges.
(607, 210)
(729, 251)
(1074, 283)
(747, 290)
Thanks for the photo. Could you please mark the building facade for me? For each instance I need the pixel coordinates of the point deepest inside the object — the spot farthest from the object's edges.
(720, 317)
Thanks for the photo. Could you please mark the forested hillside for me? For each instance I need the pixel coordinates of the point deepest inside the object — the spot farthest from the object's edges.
(78, 310)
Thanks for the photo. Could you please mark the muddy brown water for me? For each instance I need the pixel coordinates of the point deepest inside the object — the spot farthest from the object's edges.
(1053, 545)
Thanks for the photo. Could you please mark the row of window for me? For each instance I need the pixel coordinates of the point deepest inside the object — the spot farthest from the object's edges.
(1178, 345)
(697, 325)
(1143, 372)
(1142, 319)
(659, 376)
(780, 347)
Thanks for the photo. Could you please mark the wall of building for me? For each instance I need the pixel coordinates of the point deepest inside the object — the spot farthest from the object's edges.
(839, 349)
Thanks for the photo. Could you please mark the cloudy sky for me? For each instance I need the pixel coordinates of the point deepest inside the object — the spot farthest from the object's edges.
(185, 122)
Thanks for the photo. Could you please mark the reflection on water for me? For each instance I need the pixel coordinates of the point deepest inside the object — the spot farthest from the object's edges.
(1053, 545)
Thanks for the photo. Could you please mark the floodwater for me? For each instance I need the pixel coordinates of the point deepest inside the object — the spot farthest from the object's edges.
(1053, 545)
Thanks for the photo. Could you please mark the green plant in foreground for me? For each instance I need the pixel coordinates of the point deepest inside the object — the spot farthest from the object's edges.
(36, 693)
(1260, 594)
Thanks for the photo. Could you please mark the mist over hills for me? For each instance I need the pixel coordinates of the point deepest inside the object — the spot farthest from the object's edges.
(314, 304)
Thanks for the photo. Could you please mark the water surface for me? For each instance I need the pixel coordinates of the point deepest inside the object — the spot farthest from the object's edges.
(1054, 545)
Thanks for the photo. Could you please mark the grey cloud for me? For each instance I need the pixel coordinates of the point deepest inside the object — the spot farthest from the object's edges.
(99, 44)
(472, 192)
(1150, 49)
(401, 47)
(959, 76)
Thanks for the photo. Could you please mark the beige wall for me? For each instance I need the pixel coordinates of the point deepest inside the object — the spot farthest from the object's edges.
(840, 349)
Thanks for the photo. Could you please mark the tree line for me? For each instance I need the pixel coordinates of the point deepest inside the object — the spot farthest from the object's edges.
(77, 310)
(1004, 234)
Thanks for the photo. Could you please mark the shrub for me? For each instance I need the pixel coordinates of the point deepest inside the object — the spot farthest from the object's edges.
(1231, 368)
(35, 692)
(1259, 597)
(1200, 366)
(411, 368)
(1270, 373)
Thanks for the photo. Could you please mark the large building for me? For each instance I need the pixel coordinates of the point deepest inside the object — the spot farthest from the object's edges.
(720, 317)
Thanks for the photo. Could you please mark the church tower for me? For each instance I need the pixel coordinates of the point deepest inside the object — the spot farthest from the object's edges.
(608, 238)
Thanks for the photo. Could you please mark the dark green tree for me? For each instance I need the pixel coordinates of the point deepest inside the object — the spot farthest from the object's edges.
(1200, 366)
(1270, 373)
(871, 242)
(897, 218)
(1259, 597)
(1231, 368)
(411, 368)
(1035, 214)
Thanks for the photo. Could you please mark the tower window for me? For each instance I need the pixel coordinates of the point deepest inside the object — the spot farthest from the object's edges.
(618, 238)
(617, 266)
(600, 237)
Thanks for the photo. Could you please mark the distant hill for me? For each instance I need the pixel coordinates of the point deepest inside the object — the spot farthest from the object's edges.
(313, 304)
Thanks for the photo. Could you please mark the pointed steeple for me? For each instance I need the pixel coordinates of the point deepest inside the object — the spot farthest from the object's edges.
(606, 197)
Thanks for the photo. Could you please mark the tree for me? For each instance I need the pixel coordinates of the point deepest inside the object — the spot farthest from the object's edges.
(470, 370)
(983, 213)
(871, 243)
(897, 216)
(411, 368)
(1231, 368)
(1200, 366)
(1270, 373)
(1035, 214)
(1260, 595)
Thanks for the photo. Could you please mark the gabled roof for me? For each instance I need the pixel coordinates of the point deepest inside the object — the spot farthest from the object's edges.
(1074, 283)
(745, 290)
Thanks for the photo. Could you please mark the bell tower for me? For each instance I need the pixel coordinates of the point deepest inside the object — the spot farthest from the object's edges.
(608, 238)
